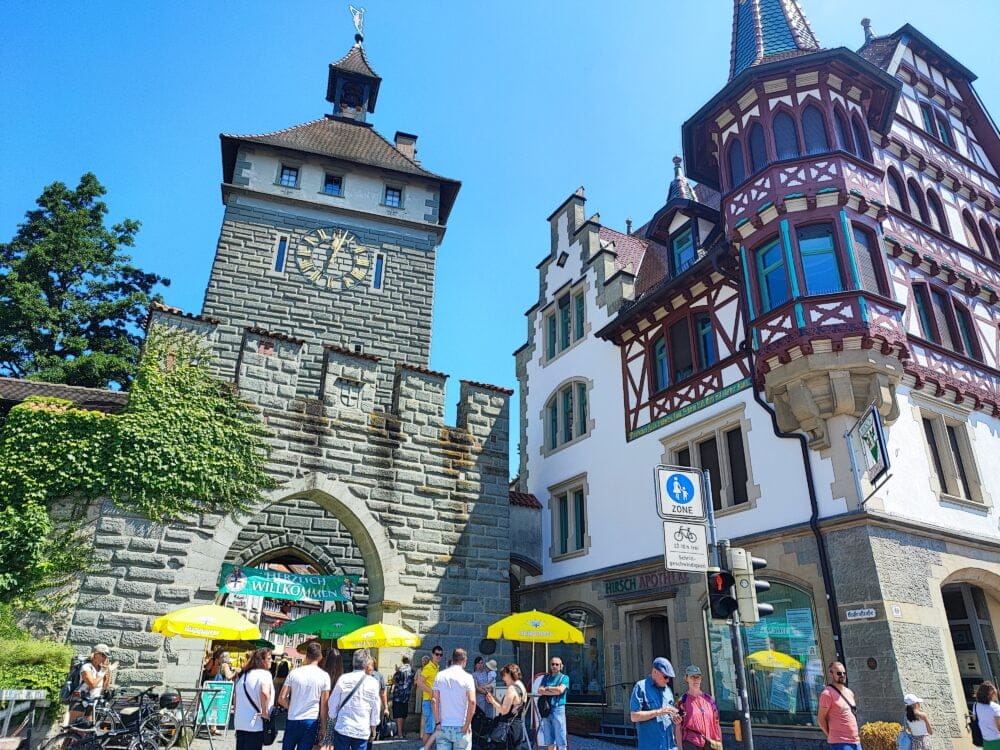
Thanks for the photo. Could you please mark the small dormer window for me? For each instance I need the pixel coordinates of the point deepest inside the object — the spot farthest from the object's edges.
(289, 176)
(683, 250)
(333, 184)
(393, 197)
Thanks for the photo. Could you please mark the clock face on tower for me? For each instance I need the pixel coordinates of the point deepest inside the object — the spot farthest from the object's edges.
(332, 258)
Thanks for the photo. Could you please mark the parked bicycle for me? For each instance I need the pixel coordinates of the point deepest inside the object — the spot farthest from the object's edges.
(145, 721)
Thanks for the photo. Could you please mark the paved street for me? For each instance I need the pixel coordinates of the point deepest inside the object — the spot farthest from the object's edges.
(228, 742)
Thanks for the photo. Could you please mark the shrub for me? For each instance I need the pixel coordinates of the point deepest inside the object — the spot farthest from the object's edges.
(880, 735)
(34, 665)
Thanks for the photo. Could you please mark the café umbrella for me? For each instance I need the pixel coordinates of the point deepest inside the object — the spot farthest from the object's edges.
(208, 621)
(379, 635)
(535, 627)
(323, 625)
(772, 660)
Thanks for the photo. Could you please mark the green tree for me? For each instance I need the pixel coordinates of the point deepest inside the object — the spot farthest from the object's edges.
(71, 303)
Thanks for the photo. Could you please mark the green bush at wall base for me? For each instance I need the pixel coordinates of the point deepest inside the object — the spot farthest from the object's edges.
(35, 665)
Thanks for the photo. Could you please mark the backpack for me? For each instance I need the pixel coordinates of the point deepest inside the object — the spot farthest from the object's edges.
(71, 687)
(402, 682)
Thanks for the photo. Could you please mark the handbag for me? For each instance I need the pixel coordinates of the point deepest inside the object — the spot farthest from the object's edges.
(903, 740)
(270, 733)
(977, 733)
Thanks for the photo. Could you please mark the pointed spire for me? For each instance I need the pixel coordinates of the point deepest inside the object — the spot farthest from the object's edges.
(680, 188)
(866, 24)
(766, 30)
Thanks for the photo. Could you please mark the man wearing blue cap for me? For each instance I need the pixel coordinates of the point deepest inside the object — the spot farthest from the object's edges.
(652, 708)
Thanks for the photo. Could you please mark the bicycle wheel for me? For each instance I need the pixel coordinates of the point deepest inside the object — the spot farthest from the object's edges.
(67, 740)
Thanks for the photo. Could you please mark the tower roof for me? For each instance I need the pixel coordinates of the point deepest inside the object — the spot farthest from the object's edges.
(354, 66)
(766, 30)
(680, 188)
(356, 61)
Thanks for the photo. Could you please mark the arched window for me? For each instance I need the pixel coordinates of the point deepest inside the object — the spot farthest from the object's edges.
(814, 131)
(786, 138)
(861, 140)
(868, 258)
(938, 216)
(584, 663)
(945, 321)
(566, 414)
(737, 169)
(758, 151)
(894, 183)
(989, 239)
(820, 268)
(772, 275)
(972, 238)
(841, 132)
(918, 209)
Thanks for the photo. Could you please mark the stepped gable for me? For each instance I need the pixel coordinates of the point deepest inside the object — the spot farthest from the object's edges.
(341, 139)
(768, 30)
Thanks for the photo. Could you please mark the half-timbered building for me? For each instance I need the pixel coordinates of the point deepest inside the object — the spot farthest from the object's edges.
(829, 245)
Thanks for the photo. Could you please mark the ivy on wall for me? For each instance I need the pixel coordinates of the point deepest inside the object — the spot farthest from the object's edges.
(186, 443)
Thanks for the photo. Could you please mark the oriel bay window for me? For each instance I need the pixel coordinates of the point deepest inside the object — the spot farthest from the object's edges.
(820, 268)
(687, 346)
(566, 416)
(772, 276)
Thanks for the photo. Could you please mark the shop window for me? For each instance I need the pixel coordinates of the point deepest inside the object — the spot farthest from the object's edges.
(758, 149)
(950, 452)
(785, 694)
(814, 131)
(862, 142)
(682, 248)
(737, 170)
(918, 209)
(720, 450)
(972, 238)
(894, 183)
(772, 276)
(841, 132)
(584, 663)
(565, 324)
(820, 268)
(786, 137)
(972, 634)
(868, 258)
(566, 414)
(939, 219)
(568, 506)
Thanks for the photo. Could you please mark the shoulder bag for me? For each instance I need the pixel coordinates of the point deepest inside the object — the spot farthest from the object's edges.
(270, 730)
(854, 709)
(977, 733)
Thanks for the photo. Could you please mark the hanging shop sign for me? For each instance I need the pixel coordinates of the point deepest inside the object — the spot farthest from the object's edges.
(235, 579)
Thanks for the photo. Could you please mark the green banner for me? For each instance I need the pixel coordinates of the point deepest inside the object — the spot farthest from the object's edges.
(235, 579)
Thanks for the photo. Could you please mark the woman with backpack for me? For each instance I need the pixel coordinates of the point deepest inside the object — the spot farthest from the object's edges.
(698, 728)
(987, 713)
(510, 712)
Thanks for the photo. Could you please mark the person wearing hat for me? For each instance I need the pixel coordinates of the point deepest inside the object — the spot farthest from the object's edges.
(95, 678)
(698, 728)
(485, 674)
(652, 708)
(917, 723)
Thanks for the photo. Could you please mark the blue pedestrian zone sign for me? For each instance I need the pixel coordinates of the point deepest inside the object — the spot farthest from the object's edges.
(679, 493)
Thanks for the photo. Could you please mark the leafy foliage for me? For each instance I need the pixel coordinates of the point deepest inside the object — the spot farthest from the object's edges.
(186, 443)
(70, 300)
(34, 665)
(880, 735)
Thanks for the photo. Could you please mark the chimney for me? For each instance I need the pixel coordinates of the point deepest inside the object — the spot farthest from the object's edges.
(628, 225)
(406, 144)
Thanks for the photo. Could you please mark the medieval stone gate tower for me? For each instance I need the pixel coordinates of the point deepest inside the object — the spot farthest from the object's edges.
(319, 308)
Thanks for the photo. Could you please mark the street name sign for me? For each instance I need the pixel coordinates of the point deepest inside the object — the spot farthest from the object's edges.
(679, 493)
(685, 547)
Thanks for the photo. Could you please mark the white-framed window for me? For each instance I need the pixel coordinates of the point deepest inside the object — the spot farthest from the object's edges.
(280, 254)
(333, 184)
(568, 511)
(566, 322)
(378, 271)
(288, 176)
(567, 415)
(949, 451)
(719, 447)
(393, 197)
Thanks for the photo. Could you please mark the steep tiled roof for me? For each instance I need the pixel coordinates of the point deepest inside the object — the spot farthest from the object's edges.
(341, 139)
(629, 248)
(680, 188)
(524, 500)
(878, 50)
(98, 399)
(767, 30)
(355, 61)
(654, 269)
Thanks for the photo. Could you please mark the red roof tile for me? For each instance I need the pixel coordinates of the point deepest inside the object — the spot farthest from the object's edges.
(629, 247)
(355, 61)
(524, 500)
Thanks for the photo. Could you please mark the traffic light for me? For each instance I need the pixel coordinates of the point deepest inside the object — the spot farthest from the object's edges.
(721, 601)
(743, 565)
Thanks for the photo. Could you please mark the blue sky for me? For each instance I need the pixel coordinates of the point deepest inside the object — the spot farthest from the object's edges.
(522, 102)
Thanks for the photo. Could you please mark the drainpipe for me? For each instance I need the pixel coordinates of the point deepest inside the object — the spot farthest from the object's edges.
(824, 559)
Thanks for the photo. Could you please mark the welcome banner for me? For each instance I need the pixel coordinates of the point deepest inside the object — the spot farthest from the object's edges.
(235, 579)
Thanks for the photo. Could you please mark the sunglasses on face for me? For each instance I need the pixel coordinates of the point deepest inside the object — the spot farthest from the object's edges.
(438, 653)
(839, 674)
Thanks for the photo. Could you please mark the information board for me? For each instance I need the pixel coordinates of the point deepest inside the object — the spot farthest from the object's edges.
(216, 698)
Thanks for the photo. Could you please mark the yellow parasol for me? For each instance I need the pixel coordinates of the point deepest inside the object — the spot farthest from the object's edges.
(535, 627)
(772, 660)
(379, 635)
(208, 621)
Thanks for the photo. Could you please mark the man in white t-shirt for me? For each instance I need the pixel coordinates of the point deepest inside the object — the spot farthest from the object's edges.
(354, 708)
(454, 703)
(306, 689)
